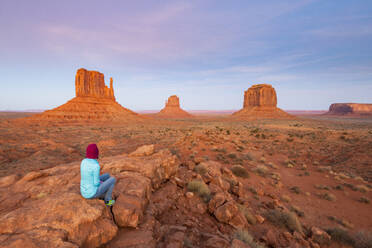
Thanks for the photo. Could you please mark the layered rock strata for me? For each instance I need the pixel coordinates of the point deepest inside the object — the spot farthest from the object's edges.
(260, 101)
(350, 109)
(172, 109)
(45, 208)
(93, 101)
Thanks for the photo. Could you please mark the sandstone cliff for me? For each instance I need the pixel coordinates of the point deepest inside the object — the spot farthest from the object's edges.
(172, 109)
(260, 102)
(94, 101)
(92, 83)
(350, 109)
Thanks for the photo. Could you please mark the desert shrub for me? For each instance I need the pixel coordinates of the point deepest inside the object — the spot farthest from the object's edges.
(200, 169)
(364, 200)
(239, 171)
(298, 211)
(285, 198)
(340, 235)
(362, 188)
(288, 220)
(295, 189)
(363, 239)
(200, 188)
(248, 156)
(328, 196)
(232, 156)
(351, 186)
(247, 214)
(321, 186)
(261, 170)
(247, 238)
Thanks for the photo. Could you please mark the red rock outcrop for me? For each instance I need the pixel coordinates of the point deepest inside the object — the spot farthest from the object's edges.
(260, 102)
(172, 109)
(94, 101)
(350, 109)
(45, 209)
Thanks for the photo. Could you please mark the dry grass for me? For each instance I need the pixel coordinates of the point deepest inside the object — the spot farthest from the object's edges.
(200, 188)
(200, 169)
(248, 215)
(247, 238)
(288, 220)
(240, 171)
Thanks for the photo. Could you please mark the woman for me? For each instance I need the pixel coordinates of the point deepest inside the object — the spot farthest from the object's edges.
(92, 185)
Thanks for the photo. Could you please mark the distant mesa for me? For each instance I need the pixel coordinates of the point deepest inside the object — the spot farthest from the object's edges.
(93, 101)
(350, 109)
(172, 109)
(260, 102)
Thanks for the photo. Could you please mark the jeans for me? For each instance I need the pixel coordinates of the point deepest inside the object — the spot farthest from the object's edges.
(106, 187)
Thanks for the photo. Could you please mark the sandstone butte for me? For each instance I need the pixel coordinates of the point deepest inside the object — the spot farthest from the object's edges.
(172, 109)
(350, 109)
(93, 101)
(260, 102)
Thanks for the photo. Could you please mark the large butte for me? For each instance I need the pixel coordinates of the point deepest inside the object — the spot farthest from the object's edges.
(94, 101)
(260, 102)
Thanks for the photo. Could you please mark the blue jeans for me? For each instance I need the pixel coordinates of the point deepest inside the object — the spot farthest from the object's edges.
(106, 187)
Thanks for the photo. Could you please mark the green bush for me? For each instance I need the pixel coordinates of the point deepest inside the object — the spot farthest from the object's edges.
(288, 220)
(239, 171)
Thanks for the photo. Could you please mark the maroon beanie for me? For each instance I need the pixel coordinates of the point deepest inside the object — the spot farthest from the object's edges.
(92, 151)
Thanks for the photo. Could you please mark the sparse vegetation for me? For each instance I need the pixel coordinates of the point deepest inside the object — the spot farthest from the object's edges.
(248, 215)
(200, 188)
(341, 236)
(240, 171)
(364, 200)
(261, 170)
(200, 169)
(327, 196)
(247, 238)
(288, 220)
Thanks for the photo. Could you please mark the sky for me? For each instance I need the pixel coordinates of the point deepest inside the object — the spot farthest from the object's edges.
(313, 52)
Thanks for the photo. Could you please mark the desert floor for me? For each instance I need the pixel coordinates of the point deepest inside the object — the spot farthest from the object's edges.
(318, 166)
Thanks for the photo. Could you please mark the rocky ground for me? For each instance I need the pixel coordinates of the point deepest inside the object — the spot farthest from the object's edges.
(206, 182)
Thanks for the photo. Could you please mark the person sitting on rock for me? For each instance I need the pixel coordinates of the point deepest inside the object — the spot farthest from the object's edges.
(93, 185)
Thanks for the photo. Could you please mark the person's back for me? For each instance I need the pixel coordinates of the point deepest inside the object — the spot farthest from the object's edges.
(89, 183)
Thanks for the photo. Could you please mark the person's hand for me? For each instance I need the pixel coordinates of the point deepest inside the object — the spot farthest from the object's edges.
(100, 182)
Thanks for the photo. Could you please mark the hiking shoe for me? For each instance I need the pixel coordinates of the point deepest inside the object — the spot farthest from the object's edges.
(110, 203)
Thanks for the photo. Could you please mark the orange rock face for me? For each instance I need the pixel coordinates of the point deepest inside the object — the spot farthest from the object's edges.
(93, 101)
(350, 109)
(260, 95)
(260, 102)
(172, 109)
(92, 83)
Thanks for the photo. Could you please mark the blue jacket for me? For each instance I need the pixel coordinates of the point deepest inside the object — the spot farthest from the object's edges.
(89, 171)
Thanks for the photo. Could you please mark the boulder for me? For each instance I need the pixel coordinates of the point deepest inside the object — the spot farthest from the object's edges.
(320, 236)
(45, 208)
(146, 150)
